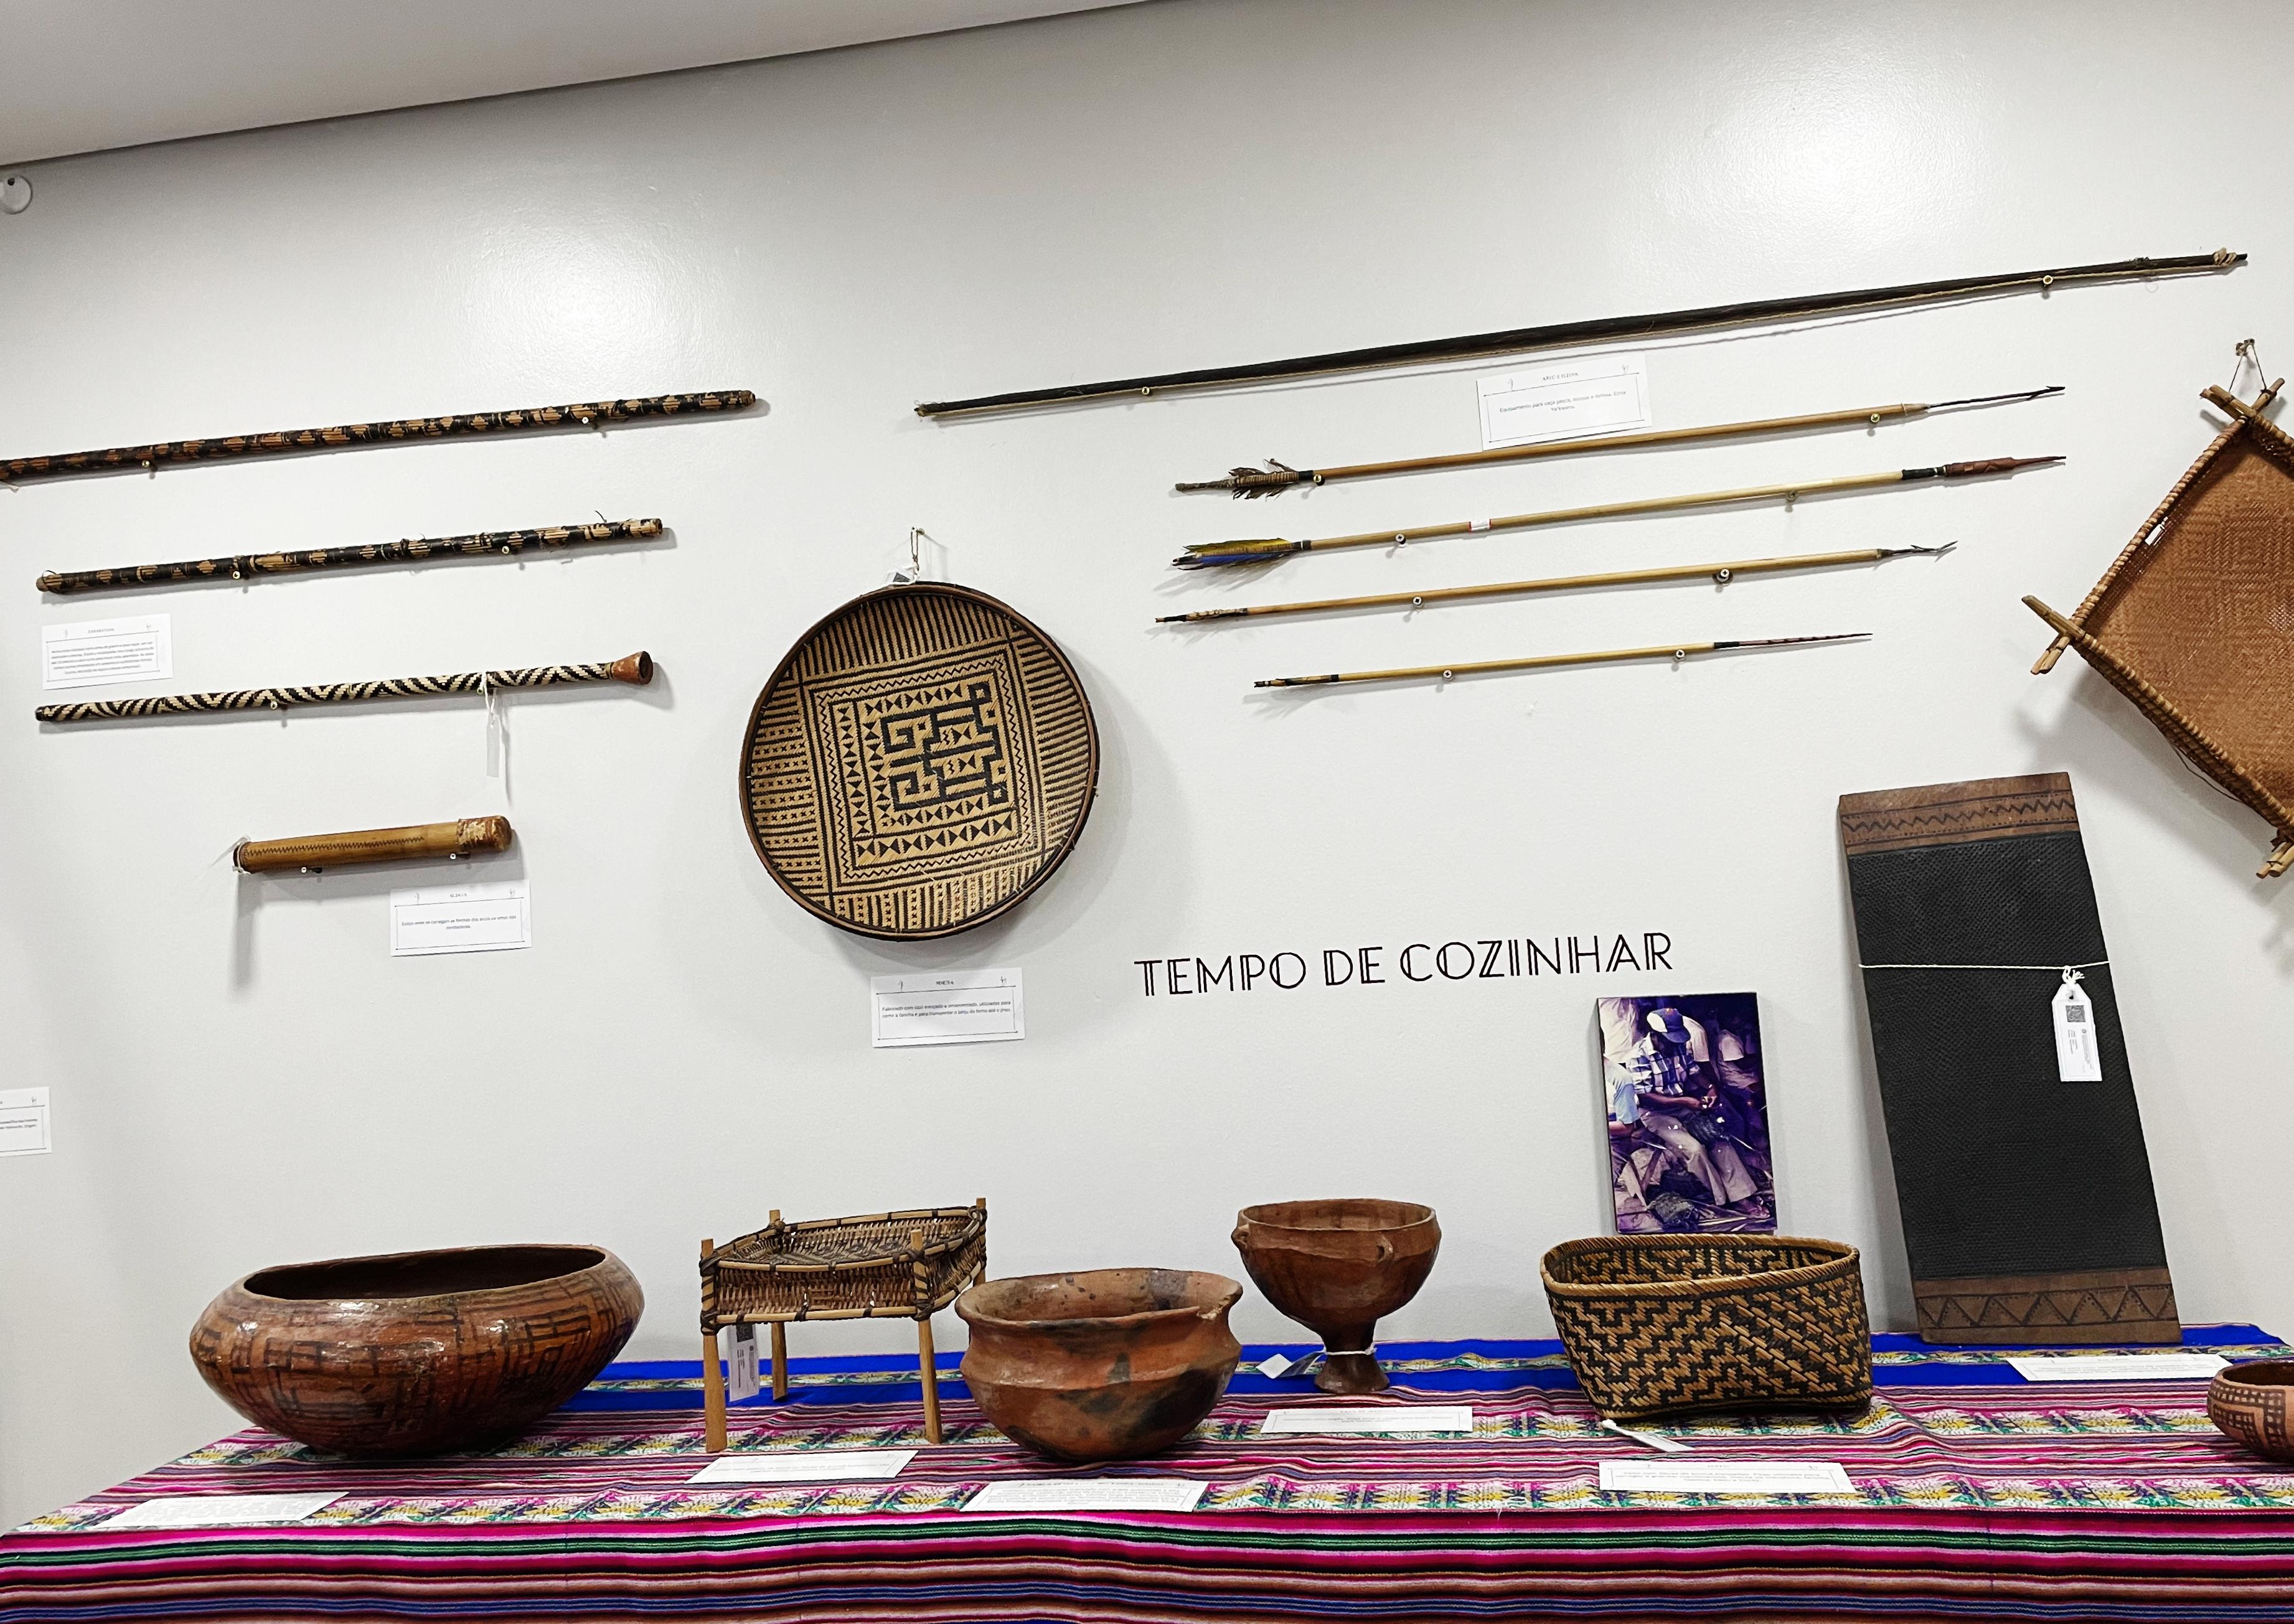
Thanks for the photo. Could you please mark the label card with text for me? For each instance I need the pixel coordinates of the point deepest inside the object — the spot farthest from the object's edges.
(2079, 1053)
(220, 1510)
(461, 919)
(1371, 1418)
(952, 1006)
(24, 1121)
(806, 1467)
(2118, 1367)
(745, 1379)
(1606, 394)
(1725, 1477)
(1090, 1494)
(88, 653)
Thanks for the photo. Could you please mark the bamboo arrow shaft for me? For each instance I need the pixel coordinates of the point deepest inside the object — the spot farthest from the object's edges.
(1722, 572)
(1529, 662)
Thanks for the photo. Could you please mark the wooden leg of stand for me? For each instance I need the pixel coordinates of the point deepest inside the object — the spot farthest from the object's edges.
(780, 1361)
(712, 1392)
(931, 1366)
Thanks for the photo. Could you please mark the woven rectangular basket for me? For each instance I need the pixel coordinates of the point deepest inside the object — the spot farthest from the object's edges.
(1658, 1325)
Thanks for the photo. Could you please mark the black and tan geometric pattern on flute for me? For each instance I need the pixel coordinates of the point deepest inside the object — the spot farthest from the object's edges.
(921, 761)
(1657, 1325)
(420, 549)
(636, 670)
(281, 443)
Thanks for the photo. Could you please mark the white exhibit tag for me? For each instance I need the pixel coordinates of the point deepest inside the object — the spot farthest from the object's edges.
(1090, 1494)
(806, 1467)
(2118, 1367)
(1604, 395)
(1371, 1418)
(24, 1121)
(2078, 1055)
(1280, 1365)
(219, 1510)
(1658, 1441)
(746, 1381)
(87, 654)
(1725, 1477)
(461, 919)
(954, 1006)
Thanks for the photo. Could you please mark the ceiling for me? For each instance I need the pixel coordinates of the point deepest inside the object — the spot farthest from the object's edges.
(76, 78)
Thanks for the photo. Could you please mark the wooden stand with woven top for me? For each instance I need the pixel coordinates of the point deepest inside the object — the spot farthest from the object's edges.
(878, 1266)
(2191, 622)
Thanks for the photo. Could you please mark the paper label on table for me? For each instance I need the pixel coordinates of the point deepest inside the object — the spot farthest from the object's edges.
(1278, 1365)
(24, 1121)
(1603, 395)
(1371, 1418)
(1658, 1441)
(461, 919)
(1090, 1494)
(1725, 1477)
(747, 1378)
(2079, 1055)
(88, 653)
(219, 1510)
(806, 1467)
(2118, 1367)
(954, 1006)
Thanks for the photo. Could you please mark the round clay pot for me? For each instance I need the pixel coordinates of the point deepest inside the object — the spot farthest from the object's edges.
(2251, 1402)
(416, 1352)
(1338, 1267)
(1106, 1365)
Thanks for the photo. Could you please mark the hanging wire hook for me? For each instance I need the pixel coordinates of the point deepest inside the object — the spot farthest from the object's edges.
(914, 572)
(2243, 356)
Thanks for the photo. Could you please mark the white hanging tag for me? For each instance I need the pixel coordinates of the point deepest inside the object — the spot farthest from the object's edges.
(495, 739)
(745, 1382)
(2078, 1055)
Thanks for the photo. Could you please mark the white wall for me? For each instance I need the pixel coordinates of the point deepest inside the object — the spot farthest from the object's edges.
(242, 1076)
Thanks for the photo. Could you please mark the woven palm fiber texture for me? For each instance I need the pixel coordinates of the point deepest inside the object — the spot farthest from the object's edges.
(866, 1266)
(1665, 1324)
(2194, 621)
(922, 760)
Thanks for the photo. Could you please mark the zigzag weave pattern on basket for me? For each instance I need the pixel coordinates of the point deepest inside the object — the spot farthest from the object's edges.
(1660, 1324)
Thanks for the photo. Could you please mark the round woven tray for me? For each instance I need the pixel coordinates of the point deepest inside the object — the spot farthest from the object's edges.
(922, 759)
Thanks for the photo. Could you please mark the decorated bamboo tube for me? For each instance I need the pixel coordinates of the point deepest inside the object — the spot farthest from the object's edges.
(636, 670)
(280, 442)
(428, 549)
(408, 844)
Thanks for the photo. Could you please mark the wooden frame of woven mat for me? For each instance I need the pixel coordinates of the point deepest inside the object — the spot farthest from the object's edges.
(2241, 739)
(905, 1265)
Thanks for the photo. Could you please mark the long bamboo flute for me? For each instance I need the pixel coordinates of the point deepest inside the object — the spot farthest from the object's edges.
(280, 442)
(636, 670)
(1661, 651)
(1601, 329)
(1212, 555)
(407, 844)
(1278, 476)
(429, 550)
(1719, 574)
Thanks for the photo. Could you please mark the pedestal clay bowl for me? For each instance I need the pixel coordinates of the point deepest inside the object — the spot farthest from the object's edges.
(416, 1352)
(1338, 1267)
(1105, 1365)
(2251, 1403)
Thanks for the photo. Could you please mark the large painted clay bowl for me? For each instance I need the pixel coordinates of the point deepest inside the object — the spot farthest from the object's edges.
(2251, 1403)
(1105, 1365)
(416, 1352)
(1338, 1267)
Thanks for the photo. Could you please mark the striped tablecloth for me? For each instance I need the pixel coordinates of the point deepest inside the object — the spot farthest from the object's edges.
(1977, 1496)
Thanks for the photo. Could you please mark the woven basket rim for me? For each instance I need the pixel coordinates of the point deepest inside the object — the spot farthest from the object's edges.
(1842, 1259)
(971, 1222)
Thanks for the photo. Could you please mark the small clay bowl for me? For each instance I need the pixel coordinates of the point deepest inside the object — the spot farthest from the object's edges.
(2250, 1402)
(1338, 1267)
(416, 1352)
(1106, 1365)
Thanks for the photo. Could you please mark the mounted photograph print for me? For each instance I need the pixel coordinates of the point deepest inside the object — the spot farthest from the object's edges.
(1688, 1115)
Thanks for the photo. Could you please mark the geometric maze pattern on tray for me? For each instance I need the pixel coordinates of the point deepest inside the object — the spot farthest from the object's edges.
(922, 759)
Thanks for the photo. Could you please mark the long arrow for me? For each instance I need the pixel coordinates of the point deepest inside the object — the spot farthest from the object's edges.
(1213, 555)
(1663, 651)
(1721, 573)
(1279, 476)
(1602, 329)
